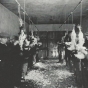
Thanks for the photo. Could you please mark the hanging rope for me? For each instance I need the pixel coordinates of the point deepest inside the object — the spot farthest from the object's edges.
(72, 17)
(24, 14)
(20, 19)
(34, 25)
(17, 2)
(65, 16)
(19, 13)
(19, 8)
(81, 14)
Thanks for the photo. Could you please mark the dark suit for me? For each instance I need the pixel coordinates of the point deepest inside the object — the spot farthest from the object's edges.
(5, 64)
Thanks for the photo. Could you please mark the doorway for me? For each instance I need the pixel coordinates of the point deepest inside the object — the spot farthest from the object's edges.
(49, 48)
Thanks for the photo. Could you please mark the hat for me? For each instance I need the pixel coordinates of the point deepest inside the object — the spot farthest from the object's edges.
(4, 35)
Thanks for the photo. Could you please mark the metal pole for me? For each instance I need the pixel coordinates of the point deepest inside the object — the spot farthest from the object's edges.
(81, 14)
(72, 11)
(24, 14)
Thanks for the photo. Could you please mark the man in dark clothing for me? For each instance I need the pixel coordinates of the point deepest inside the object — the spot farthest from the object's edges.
(17, 62)
(86, 42)
(67, 39)
(25, 57)
(61, 46)
(4, 57)
(10, 63)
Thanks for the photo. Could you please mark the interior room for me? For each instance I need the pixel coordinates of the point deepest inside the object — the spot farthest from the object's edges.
(43, 43)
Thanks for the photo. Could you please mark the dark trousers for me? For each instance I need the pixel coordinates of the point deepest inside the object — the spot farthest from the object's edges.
(61, 52)
(6, 78)
(25, 63)
(24, 68)
(30, 61)
(66, 55)
(37, 58)
(17, 72)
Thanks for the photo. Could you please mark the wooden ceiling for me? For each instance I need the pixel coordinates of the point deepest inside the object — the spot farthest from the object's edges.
(49, 11)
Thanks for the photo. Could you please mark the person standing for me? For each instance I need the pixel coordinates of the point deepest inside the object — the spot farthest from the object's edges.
(61, 47)
(25, 57)
(5, 65)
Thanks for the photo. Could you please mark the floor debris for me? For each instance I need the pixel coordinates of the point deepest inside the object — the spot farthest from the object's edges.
(50, 75)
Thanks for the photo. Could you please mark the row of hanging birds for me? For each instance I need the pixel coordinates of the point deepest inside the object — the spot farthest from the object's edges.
(77, 42)
(29, 40)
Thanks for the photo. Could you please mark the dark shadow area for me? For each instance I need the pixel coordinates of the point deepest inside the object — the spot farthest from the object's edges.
(30, 84)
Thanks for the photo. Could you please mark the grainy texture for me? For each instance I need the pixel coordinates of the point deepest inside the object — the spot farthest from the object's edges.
(49, 74)
(9, 22)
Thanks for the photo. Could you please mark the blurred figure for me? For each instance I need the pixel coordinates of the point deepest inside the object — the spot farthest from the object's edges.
(60, 49)
(67, 37)
(4, 60)
(61, 46)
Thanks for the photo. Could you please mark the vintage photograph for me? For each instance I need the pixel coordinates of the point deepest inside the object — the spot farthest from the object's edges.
(43, 43)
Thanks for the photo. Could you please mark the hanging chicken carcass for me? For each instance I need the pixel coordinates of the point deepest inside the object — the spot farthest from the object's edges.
(73, 40)
(22, 37)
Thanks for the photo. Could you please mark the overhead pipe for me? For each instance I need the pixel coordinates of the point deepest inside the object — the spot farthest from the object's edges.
(71, 12)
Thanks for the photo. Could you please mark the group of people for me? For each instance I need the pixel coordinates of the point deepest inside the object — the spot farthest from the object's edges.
(16, 56)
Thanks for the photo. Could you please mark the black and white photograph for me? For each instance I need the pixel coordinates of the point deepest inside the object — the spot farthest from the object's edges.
(43, 43)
